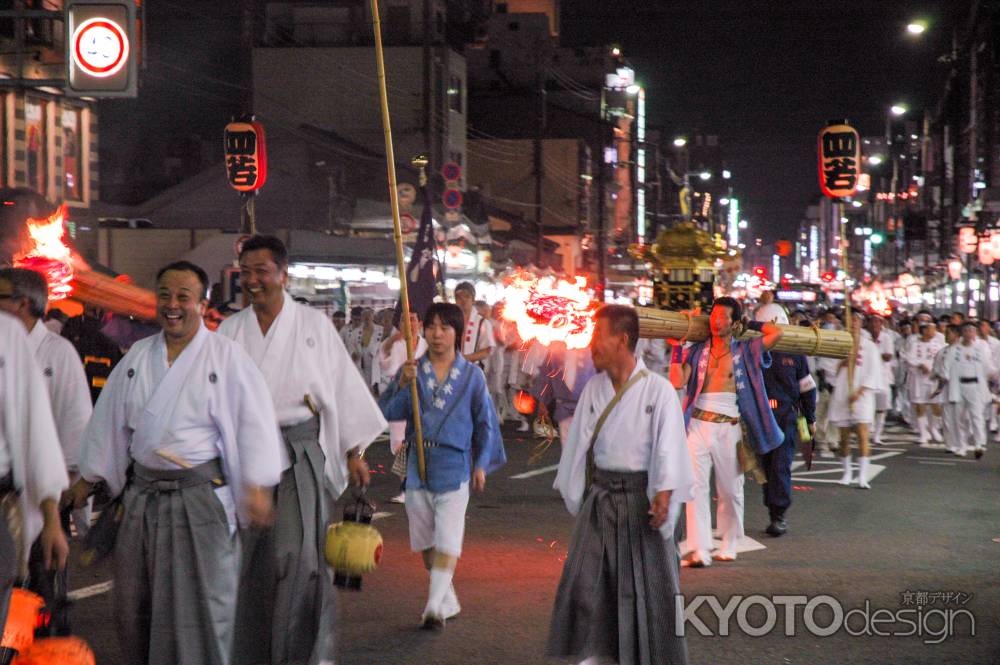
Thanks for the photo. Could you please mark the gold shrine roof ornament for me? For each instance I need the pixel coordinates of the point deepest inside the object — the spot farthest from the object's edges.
(681, 245)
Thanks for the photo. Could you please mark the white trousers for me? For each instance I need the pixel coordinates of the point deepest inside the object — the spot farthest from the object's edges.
(714, 445)
(953, 436)
(972, 415)
(564, 426)
(437, 519)
(823, 437)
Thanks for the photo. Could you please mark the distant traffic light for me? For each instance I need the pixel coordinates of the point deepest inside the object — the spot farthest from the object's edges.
(828, 277)
(877, 239)
(101, 48)
(760, 271)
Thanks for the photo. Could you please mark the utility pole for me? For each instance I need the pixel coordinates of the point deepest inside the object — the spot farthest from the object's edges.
(428, 105)
(602, 245)
(538, 167)
(248, 200)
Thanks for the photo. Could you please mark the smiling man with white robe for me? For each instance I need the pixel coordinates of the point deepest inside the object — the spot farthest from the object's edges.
(185, 428)
(287, 610)
(616, 595)
(64, 376)
(69, 396)
(32, 469)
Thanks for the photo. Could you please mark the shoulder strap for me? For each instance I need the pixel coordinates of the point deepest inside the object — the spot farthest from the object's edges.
(479, 331)
(604, 416)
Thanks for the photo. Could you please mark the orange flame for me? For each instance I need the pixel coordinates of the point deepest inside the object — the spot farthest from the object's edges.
(550, 310)
(50, 255)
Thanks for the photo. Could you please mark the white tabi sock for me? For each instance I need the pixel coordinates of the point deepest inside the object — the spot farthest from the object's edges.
(863, 473)
(922, 428)
(935, 427)
(440, 583)
(846, 478)
(879, 426)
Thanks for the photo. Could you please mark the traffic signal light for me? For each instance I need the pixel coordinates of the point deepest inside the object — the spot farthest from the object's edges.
(828, 276)
(760, 271)
(101, 48)
(877, 239)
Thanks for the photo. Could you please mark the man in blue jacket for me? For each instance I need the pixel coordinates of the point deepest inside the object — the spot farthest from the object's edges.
(791, 392)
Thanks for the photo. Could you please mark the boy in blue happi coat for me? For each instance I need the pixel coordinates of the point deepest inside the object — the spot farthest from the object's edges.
(461, 442)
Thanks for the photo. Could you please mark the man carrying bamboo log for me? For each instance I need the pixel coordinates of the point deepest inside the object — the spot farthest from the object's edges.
(728, 418)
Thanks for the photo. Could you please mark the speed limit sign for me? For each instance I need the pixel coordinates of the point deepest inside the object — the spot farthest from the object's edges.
(100, 47)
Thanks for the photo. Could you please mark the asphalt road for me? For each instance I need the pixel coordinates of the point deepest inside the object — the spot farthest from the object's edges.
(923, 534)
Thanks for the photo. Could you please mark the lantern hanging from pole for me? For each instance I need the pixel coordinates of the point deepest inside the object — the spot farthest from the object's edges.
(524, 403)
(995, 243)
(967, 240)
(985, 253)
(955, 268)
(839, 149)
(246, 155)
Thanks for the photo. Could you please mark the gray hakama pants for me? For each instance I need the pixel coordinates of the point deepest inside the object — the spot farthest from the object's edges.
(288, 605)
(616, 595)
(176, 569)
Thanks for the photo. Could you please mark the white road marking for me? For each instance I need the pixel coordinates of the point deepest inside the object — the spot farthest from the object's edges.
(93, 590)
(944, 459)
(938, 463)
(746, 544)
(381, 515)
(535, 472)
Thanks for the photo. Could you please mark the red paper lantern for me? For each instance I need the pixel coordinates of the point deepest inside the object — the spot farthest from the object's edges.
(839, 149)
(246, 155)
(525, 403)
(968, 240)
(783, 247)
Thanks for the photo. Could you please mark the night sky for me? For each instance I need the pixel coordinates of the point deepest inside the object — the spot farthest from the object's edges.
(766, 76)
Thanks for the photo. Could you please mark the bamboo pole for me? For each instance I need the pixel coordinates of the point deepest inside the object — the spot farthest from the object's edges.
(852, 358)
(397, 236)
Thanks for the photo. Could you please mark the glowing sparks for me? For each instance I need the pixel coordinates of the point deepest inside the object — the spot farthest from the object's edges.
(550, 310)
(50, 255)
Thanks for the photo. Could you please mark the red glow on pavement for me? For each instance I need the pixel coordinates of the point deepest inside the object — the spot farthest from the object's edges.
(803, 488)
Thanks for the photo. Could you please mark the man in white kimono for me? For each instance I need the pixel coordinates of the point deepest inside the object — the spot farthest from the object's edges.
(969, 368)
(852, 405)
(986, 336)
(390, 359)
(654, 354)
(884, 339)
(951, 430)
(478, 340)
(922, 385)
(615, 598)
(59, 361)
(32, 469)
(69, 396)
(185, 432)
(287, 609)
